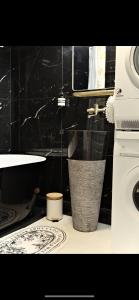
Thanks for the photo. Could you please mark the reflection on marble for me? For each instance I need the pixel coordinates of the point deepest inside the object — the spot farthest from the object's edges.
(87, 145)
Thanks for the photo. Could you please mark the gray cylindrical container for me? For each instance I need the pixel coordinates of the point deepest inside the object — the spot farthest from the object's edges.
(86, 183)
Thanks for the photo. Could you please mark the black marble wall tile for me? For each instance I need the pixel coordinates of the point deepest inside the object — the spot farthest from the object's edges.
(75, 116)
(39, 71)
(31, 140)
(14, 125)
(15, 74)
(5, 72)
(43, 122)
(5, 141)
(54, 176)
(40, 124)
(5, 132)
(45, 110)
(67, 68)
(5, 99)
(15, 92)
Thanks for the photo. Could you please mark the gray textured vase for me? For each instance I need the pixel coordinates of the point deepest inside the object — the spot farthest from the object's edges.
(86, 183)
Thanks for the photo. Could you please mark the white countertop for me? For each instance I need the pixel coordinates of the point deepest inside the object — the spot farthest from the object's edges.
(97, 242)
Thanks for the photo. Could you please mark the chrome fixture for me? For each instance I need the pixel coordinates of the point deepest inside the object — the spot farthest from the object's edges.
(93, 111)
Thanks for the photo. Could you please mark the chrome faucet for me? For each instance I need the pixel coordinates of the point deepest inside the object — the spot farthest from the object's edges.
(93, 111)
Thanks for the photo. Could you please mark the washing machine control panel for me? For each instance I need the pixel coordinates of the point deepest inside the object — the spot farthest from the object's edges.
(126, 144)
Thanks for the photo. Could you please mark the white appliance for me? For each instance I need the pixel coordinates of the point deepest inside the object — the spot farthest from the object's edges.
(125, 199)
(127, 71)
(126, 109)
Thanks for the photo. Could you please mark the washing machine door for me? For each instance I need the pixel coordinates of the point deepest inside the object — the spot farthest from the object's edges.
(131, 189)
(132, 64)
(125, 210)
(135, 195)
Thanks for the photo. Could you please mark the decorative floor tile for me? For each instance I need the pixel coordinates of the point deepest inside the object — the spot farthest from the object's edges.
(34, 240)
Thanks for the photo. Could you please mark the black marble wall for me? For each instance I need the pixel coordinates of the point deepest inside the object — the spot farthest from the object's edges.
(32, 121)
(37, 81)
(5, 99)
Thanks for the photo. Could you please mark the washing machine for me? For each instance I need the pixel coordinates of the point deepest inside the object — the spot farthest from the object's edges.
(125, 195)
(126, 107)
(125, 202)
(127, 71)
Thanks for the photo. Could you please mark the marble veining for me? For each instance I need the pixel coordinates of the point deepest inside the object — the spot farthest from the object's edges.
(37, 113)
